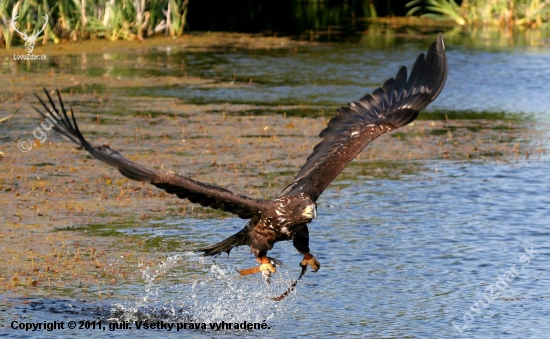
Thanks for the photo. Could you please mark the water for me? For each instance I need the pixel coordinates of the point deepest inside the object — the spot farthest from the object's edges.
(416, 257)
(400, 259)
(327, 77)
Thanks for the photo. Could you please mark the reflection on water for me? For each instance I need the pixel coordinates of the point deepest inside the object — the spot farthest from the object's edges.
(489, 71)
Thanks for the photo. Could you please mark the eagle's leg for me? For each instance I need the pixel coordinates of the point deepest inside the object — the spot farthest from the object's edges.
(301, 243)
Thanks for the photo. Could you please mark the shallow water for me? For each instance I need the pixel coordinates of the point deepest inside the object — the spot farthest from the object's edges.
(403, 258)
(495, 80)
(489, 81)
(407, 258)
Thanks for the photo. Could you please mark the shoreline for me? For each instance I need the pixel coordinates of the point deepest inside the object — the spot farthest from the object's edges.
(194, 42)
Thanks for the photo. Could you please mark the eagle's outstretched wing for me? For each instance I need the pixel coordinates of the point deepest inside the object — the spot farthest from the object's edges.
(195, 191)
(395, 104)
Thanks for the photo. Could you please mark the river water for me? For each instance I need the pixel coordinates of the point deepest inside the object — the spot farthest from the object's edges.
(458, 250)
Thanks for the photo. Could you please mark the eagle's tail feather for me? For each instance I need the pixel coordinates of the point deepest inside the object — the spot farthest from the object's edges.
(237, 239)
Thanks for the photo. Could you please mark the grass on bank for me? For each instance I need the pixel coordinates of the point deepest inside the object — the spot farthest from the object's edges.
(527, 13)
(89, 19)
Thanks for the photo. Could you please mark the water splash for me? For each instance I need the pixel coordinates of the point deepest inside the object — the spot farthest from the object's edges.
(189, 288)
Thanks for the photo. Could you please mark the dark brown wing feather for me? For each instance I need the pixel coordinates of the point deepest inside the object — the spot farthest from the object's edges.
(185, 188)
(395, 104)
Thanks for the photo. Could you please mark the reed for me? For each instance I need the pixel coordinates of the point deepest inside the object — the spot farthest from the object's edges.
(527, 13)
(91, 19)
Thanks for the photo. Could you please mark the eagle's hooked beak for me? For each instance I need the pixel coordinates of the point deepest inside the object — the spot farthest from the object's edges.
(311, 211)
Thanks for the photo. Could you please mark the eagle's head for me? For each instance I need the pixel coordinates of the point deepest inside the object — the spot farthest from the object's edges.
(308, 210)
(295, 209)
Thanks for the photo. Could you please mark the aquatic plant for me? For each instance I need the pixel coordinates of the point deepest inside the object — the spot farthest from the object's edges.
(441, 8)
(90, 19)
(530, 13)
(7, 15)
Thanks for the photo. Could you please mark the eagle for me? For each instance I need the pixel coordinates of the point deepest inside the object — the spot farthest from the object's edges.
(395, 104)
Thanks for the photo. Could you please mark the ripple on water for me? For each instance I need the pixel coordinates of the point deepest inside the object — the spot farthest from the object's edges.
(401, 258)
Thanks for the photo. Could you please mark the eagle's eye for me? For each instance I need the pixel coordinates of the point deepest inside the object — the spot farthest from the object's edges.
(303, 208)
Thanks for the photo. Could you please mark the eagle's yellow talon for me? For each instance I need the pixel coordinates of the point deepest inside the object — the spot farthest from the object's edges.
(311, 261)
(268, 268)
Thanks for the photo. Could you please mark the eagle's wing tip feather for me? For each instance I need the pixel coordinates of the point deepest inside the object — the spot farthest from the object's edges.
(395, 104)
(440, 41)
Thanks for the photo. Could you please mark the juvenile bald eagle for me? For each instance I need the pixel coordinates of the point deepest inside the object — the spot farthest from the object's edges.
(286, 217)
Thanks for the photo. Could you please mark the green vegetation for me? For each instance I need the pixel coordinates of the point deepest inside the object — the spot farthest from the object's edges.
(72, 20)
(527, 13)
(90, 19)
